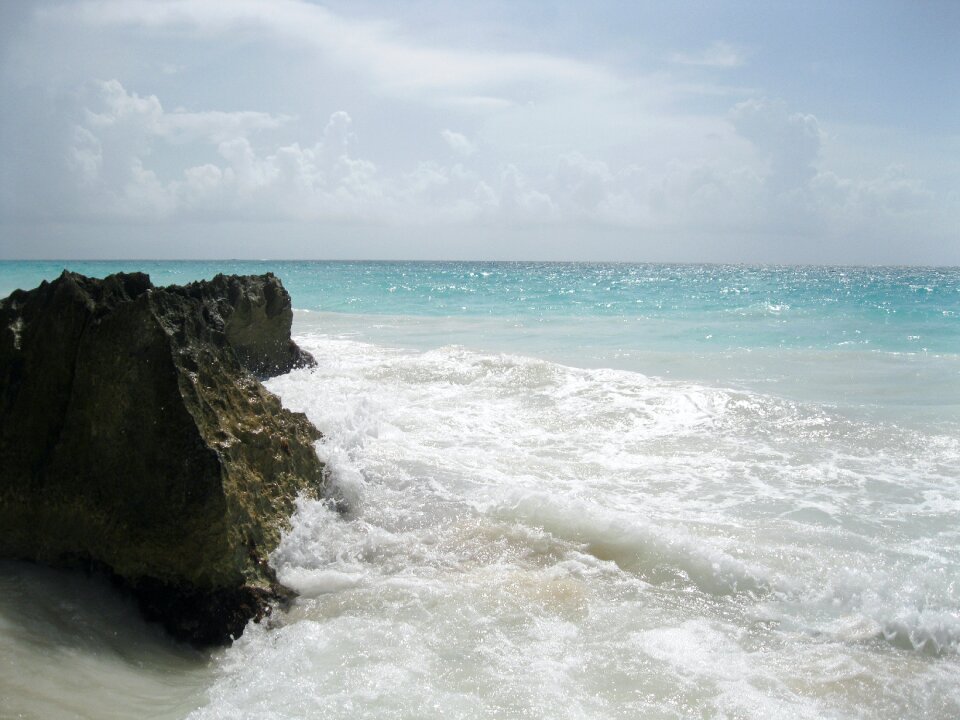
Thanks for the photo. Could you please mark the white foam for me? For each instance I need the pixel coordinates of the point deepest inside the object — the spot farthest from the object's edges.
(636, 545)
(551, 541)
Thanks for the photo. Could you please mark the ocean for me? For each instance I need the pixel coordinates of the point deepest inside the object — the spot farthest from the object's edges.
(575, 491)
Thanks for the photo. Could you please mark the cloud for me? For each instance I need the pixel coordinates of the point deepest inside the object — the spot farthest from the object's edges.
(391, 65)
(85, 155)
(890, 197)
(117, 106)
(115, 139)
(522, 108)
(129, 159)
(116, 149)
(796, 192)
(683, 195)
(717, 55)
(458, 143)
(312, 117)
(789, 142)
(521, 200)
(583, 185)
(296, 182)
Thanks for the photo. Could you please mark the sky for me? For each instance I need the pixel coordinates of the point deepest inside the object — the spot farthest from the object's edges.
(742, 132)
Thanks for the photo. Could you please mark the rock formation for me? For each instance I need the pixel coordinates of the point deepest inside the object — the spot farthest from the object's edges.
(135, 438)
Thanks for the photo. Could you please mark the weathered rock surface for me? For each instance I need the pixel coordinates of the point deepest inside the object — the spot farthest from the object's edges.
(135, 438)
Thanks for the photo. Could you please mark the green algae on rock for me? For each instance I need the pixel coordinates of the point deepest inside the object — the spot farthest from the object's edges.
(135, 438)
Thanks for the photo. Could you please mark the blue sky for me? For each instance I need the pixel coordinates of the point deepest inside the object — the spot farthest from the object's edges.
(721, 132)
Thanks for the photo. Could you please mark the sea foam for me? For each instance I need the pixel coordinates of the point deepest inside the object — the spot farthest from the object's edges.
(747, 553)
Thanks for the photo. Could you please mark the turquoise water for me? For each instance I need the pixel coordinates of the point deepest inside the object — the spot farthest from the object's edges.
(672, 306)
(578, 491)
(881, 341)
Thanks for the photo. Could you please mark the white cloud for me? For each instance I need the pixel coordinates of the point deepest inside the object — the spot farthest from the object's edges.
(452, 132)
(531, 108)
(295, 182)
(111, 147)
(392, 65)
(112, 144)
(144, 196)
(119, 106)
(891, 198)
(202, 181)
(582, 184)
(789, 142)
(85, 155)
(681, 195)
(458, 142)
(521, 200)
(118, 149)
(718, 55)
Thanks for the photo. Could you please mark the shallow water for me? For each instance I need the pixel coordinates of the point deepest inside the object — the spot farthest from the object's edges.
(581, 514)
(71, 647)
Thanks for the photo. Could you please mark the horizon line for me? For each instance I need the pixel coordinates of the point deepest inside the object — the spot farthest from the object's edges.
(479, 261)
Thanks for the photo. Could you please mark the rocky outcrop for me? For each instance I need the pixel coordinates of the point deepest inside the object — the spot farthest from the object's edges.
(256, 316)
(136, 438)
